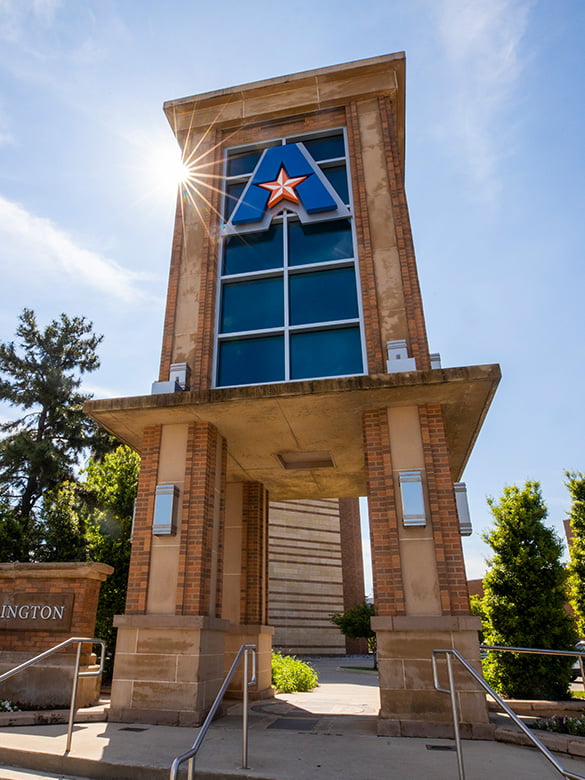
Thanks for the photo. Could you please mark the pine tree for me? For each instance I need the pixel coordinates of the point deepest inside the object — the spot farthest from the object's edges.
(576, 484)
(524, 599)
(41, 449)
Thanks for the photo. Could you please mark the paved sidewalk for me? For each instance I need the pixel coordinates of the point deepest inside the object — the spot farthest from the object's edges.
(329, 734)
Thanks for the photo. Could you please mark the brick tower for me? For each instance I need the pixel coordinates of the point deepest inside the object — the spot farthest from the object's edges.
(294, 365)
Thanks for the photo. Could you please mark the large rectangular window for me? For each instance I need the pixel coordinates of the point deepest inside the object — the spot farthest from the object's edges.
(289, 303)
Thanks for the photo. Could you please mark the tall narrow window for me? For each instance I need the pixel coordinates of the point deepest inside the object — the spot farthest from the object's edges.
(289, 303)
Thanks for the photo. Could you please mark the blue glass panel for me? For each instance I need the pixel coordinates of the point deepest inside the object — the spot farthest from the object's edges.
(253, 251)
(319, 242)
(326, 353)
(323, 296)
(251, 361)
(326, 148)
(252, 305)
(337, 176)
(232, 196)
(240, 164)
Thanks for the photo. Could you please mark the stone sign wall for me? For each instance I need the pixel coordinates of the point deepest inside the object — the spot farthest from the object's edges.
(41, 605)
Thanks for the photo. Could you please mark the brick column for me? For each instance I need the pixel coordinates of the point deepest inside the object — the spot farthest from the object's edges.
(142, 533)
(200, 564)
(417, 588)
(170, 664)
(454, 593)
(253, 607)
(352, 564)
(386, 568)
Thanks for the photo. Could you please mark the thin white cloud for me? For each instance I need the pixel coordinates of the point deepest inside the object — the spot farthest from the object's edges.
(32, 244)
(15, 15)
(481, 40)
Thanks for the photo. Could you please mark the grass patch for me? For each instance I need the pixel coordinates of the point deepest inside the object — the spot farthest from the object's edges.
(360, 668)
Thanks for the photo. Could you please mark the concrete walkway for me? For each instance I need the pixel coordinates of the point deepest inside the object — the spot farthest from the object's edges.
(328, 734)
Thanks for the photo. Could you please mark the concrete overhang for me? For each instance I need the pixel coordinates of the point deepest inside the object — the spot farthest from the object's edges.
(316, 420)
(298, 93)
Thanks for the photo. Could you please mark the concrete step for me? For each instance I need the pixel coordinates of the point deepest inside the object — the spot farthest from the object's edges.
(9, 773)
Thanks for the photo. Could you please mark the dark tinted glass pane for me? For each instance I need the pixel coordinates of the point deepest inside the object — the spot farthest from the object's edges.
(319, 242)
(337, 175)
(253, 251)
(326, 353)
(240, 164)
(326, 148)
(252, 305)
(251, 361)
(323, 296)
(232, 196)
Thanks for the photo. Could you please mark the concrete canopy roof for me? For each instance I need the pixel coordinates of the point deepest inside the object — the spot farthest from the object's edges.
(271, 430)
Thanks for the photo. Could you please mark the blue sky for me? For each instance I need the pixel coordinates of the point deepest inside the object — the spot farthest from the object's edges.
(494, 170)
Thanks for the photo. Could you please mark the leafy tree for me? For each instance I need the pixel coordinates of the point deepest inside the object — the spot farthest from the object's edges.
(576, 484)
(61, 526)
(524, 598)
(356, 624)
(39, 450)
(92, 520)
(110, 488)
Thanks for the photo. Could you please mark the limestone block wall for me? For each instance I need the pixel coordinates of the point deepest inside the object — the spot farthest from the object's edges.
(306, 575)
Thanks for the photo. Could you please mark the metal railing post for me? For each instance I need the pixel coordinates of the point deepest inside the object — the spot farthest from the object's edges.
(455, 711)
(191, 754)
(76, 675)
(72, 704)
(452, 653)
(245, 715)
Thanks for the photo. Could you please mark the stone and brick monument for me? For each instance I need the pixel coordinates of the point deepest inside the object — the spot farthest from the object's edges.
(295, 366)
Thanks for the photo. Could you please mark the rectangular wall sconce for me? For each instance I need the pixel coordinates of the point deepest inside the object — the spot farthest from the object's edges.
(465, 528)
(413, 499)
(166, 501)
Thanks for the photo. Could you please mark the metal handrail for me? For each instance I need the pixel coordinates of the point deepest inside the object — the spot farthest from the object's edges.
(77, 674)
(190, 754)
(451, 653)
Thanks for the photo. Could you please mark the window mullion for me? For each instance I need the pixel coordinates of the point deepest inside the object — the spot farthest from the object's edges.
(286, 298)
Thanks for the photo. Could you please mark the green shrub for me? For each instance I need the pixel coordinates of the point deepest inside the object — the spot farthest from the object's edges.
(290, 675)
(8, 706)
(573, 726)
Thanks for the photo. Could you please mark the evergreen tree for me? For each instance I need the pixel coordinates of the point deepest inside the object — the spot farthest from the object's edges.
(524, 598)
(576, 484)
(40, 449)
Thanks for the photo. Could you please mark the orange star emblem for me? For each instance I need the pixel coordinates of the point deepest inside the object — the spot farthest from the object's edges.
(282, 188)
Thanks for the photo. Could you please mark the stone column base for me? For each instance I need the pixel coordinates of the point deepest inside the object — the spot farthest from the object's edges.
(261, 636)
(410, 705)
(168, 669)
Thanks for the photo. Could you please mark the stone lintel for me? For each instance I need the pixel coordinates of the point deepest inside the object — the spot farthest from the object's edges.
(427, 623)
(61, 571)
(197, 622)
(250, 628)
(294, 94)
